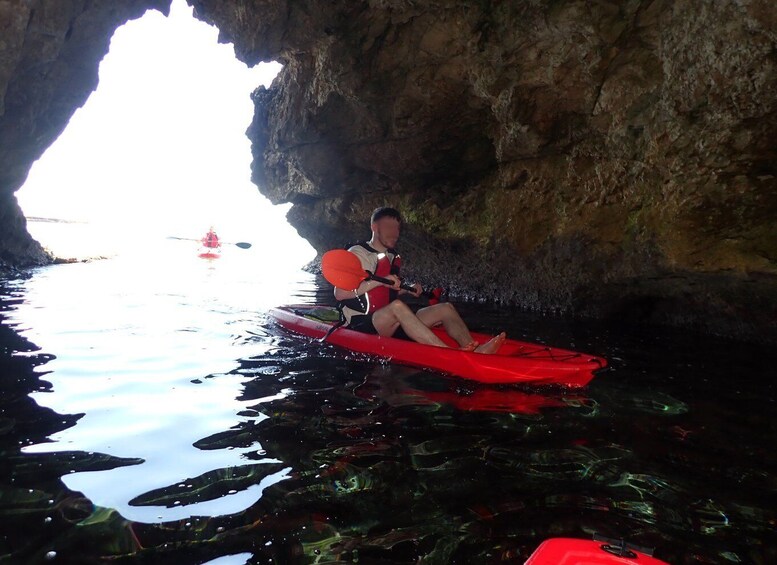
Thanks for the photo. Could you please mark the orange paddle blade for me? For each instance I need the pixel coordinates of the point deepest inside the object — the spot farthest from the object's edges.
(342, 269)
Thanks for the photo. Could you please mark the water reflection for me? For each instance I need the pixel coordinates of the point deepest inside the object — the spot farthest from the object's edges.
(35, 506)
(399, 386)
(272, 447)
(212, 485)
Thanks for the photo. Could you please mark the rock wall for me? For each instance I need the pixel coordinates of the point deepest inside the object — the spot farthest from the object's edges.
(50, 51)
(609, 158)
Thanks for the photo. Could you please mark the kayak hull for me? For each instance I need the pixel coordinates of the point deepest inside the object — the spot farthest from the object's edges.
(516, 361)
(568, 551)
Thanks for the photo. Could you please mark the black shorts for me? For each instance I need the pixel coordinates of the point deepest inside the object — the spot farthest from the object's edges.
(363, 323)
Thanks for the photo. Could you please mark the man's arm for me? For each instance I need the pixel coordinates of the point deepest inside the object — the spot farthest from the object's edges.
(365, 257)
(363, 288)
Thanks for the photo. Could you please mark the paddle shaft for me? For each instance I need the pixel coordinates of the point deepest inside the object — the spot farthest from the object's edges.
(240, 244)
(403, 286)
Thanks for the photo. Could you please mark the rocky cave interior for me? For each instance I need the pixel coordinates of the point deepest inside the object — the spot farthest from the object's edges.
(605, 159)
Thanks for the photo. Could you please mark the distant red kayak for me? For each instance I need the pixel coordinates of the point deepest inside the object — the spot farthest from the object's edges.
(516, 361)
(211, 244)
(568, 551)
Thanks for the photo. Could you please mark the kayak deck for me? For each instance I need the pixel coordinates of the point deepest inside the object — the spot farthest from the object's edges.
(516, 361)
(570, 551)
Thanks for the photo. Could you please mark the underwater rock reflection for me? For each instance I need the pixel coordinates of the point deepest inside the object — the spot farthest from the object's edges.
(389, 463)
(620, 397)
(208, 486)
(350, 439)
(359, 438)
(368, 462)
(37, 511)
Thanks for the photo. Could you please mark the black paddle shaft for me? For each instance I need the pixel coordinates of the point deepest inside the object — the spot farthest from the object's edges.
(403, 286)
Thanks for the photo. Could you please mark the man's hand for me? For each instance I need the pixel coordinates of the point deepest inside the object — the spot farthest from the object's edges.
(395, 280)
(418, 290)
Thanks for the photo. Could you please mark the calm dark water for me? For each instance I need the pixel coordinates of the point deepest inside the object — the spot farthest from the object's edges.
(164, 419)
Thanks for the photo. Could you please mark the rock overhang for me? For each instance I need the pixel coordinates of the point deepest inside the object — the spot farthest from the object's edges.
(615, 159)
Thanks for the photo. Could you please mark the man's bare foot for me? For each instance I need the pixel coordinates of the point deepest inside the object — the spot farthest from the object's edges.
(471, 346)
(492, 345)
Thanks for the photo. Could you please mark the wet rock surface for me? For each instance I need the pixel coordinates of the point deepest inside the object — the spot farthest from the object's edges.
(614, 159)
(609, 159)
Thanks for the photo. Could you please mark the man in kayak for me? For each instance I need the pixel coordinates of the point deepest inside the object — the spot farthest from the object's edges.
(374, 308)
(211, 240)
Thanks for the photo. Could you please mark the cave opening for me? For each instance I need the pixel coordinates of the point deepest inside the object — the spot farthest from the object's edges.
(158, 151)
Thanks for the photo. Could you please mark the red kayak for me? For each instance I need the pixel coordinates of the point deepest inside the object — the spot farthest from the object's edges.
(516, 361)
(567, 551)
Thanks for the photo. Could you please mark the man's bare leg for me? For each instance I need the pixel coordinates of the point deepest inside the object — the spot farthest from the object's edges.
(396, 314)
(417, 327)
(446, 314)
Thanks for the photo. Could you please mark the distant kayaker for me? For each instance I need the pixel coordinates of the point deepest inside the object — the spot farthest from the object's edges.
(374, 308)
(211, 240)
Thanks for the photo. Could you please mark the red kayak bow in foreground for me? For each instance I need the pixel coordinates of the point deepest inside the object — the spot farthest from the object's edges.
(599, 551)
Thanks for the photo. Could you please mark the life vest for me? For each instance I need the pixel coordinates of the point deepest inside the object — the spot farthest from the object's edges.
(211, 240)
(386, 263)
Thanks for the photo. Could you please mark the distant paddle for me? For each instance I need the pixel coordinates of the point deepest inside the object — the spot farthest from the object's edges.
(344, 270)
(240, 244)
